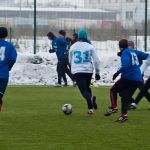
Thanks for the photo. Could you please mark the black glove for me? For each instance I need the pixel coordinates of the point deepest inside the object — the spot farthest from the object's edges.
(119, 54)
(52, 51)
(115, 75)
(97, 77)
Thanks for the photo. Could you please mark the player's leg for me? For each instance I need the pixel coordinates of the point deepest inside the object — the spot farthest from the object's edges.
(126, 95)
(144, 92)
(65, 80)
(59, 73)
(88, 83)
(3, 85)
(81, 81)
(68, 70)
(118, 86)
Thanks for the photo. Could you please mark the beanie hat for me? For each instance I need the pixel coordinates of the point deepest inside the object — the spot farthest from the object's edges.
(3, 32)
(82, 34)
(62, 32)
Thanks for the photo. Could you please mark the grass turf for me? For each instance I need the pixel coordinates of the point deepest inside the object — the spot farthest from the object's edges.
(32, 120)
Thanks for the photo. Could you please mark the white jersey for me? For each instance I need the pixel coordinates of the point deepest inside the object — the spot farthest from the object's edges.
(145, 65)
(83, 58)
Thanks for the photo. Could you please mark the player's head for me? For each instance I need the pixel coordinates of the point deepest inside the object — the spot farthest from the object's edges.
(75, 36)
(123, 44)
(3, 32)
(131, 44)
(82, 34)
(62, 33)
(50, 35)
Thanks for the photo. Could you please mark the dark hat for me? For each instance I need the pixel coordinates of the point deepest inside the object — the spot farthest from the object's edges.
(62, 32)
(123, 43)
(51, 35)
(3, 32)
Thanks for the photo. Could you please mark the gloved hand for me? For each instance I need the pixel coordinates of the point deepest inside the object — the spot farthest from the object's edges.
(51, 51)
(97, 77)
(119, 54)
(115, 75)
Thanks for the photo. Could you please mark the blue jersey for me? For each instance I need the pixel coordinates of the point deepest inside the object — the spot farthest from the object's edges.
(130, 64)
(61, 47)
(8, 57)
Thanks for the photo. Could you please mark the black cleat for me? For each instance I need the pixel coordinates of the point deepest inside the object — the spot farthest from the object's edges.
(122, 118)
(94, 102)
(111, 111)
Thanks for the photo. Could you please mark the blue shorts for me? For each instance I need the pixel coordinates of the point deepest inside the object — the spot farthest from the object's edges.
(3, 85)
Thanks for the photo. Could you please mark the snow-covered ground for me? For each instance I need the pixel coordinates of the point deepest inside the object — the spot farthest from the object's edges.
(40, 69)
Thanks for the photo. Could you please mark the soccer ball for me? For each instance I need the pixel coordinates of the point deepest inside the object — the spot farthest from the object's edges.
(67, 109)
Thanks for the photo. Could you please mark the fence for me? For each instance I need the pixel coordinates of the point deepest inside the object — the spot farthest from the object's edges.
(104, 19)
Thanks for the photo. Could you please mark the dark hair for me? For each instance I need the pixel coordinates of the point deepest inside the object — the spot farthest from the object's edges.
(3, 32)
(51, 35)
(123, 43)
(62, 32)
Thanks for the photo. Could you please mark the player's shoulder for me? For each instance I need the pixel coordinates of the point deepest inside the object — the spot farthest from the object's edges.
(7, 43)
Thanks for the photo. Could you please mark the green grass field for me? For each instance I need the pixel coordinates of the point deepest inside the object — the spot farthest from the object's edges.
(32, 120)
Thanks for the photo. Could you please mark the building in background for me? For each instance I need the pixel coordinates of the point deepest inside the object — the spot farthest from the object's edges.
(130, 11)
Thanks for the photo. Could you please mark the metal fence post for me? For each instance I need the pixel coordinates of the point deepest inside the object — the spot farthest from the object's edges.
(34, 26)
(145, 25)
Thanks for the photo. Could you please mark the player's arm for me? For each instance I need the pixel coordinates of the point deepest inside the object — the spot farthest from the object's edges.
(96, 63)
(145, 65)
(70, 55)
(12, 57)
(142, 55)
(52, 50)
(125, 63)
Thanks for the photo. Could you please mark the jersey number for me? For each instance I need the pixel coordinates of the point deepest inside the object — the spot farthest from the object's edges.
(2, 53)
(135, 60)
(81, 57)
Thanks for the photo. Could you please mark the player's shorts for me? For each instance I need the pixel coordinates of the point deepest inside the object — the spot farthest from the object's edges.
(3, 85)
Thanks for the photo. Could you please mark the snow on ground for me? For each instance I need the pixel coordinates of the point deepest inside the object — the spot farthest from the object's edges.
(40, 69)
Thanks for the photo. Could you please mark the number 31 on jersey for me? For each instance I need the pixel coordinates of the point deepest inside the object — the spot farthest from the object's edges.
(81, 57)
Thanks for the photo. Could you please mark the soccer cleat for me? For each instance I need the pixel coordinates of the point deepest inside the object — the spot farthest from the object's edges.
(57, 85)
(94, 102)
(132, 106)
(111, 111)
(90, 111)
(74, 84)
(65, 84)
(122, 118)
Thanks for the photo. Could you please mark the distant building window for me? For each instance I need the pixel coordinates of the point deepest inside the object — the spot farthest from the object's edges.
(109, 1)
(129, 15)
(98, 1)
(116, 1)
(129, 1)
(142, 1)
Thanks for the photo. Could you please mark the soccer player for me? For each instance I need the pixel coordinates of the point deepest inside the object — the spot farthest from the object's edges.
(83, 59)
(60, 46)
(144, 91)
(131, 79)
(51, 36)
(8, 57)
